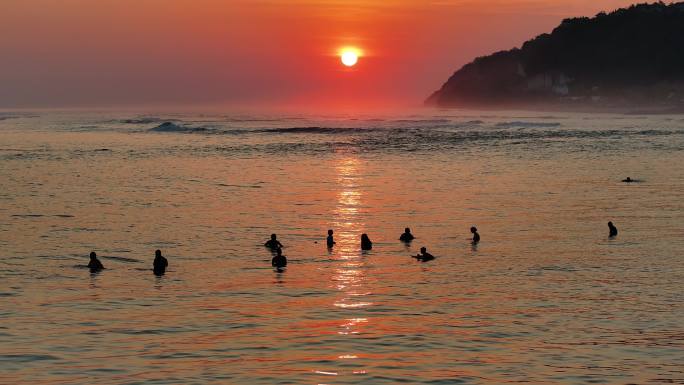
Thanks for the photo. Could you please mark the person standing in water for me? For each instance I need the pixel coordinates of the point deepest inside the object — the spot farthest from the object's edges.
(424, 256)
(160, 263)
(613, 230)
(330, 241)
(279, 261)
(476, 236)
(366, 243)
(406, 236)
(94, 265)
(273, 243)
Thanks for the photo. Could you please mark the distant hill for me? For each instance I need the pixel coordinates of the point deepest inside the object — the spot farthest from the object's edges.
(632, 57)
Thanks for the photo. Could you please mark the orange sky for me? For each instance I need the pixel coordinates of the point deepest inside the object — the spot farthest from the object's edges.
(107, 53)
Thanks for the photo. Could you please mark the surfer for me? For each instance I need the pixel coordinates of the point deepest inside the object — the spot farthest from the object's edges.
(476, 236)
(366, 243)
(330, 241)
(279, 261)
(94, 265)
(273, 243)
(613, 230)
(160, 263)
(406, 236)
(424, 256)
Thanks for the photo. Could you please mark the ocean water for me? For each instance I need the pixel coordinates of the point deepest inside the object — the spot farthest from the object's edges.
(545, 298)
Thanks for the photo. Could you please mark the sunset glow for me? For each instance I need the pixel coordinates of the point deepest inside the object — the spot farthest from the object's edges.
(225, 52)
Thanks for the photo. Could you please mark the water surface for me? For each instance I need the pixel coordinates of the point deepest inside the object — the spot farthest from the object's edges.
(545, 298)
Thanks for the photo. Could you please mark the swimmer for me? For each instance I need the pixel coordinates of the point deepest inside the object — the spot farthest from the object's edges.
(160, 263)
(424, 256)
(628, 180)
(476, 236)
(406, 236)
(613, 230)
(94, 265)
(279, 261)
(330, 241)
(273, 243)
(366, 243)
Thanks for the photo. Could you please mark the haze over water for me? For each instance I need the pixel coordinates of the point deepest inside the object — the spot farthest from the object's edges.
(545, 298)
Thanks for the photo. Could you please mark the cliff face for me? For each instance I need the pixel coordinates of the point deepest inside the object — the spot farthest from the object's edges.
(632, 56)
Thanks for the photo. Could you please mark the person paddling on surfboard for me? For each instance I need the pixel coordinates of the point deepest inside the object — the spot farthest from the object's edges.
(424, 256)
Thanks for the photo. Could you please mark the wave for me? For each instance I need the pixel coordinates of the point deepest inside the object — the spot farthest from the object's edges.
(16, 115)
(315, 130)
(522, 124)
(259, 120)
(41, 215)
(173, 127)
(122, 259)
(146, 120)
(422, 120)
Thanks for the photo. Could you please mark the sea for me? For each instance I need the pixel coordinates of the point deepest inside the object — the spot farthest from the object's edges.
(546, 297)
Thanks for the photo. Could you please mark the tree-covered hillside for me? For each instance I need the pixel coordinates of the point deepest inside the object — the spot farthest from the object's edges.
(626, 57)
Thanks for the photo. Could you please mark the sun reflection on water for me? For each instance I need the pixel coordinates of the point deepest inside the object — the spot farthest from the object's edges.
(350, 274)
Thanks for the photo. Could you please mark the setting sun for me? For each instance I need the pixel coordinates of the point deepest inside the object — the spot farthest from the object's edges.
(349, 56)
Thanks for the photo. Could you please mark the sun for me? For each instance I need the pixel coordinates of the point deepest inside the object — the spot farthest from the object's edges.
(350, 56)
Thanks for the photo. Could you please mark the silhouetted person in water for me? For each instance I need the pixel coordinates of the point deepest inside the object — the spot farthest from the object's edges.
(628, 180)
(279, 261)
(366, 243)
(273, 243)
(613, 229)
(330, 241)
(424, 256)
(160, 263)
(94, 265)
(407, 236)
(476, 236)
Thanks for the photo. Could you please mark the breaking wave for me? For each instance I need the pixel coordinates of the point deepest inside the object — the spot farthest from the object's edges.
(174, 127)
(521, 124)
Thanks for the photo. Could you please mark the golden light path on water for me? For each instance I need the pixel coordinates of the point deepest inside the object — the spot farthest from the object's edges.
(350, 274)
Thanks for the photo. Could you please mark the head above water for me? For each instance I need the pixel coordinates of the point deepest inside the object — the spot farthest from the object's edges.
(273, 237)
(610, 224)
(157, 253)
(473, 229)
(423, 250)
(407, 230)
(364, 237)
(330, 232)
(93, 255)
